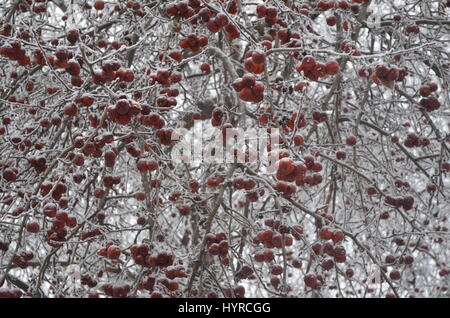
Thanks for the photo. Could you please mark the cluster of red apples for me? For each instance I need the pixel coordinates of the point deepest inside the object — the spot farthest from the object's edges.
(141, 256)
(116, 291)
(314, 70)
(388, 75)
(254, 62)
(290, 171)
(272, 240)
(215, 24)
(22, 259)
(14, 52)
(194, 43)
(124, 111)
(406, 203)
(112, 70)
(430, 103)
(58, 231)
(249, 89)
(217, 244)
(412, 140)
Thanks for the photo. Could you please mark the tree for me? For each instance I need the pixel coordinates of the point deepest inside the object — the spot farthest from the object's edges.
(93, 92)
